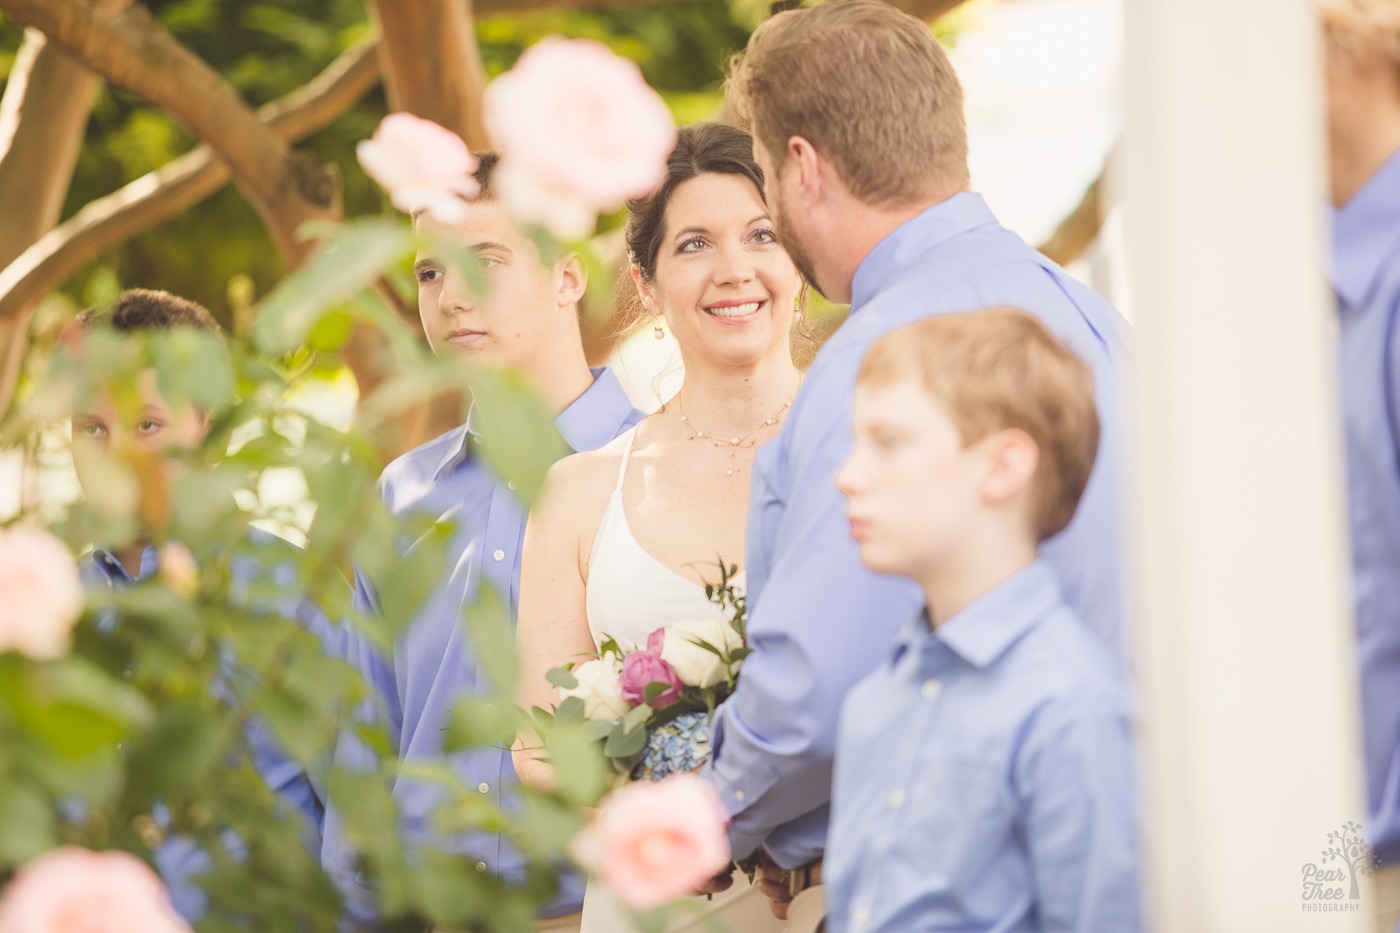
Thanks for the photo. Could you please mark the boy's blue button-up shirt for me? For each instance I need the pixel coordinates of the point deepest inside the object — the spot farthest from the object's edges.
(179, 859)
(818, 619)
(984, 777)
(434, 666)
(1366, 276)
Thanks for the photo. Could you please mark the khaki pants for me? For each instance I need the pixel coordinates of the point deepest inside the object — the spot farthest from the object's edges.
(1387, 888)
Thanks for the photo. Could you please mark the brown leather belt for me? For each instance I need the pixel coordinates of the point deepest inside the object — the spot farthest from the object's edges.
(804, 876)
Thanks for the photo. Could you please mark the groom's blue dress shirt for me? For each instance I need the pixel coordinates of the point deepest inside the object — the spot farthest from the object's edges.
(818, 619)
(984, 777)
(434, 665)
(179, 859)
(1366, 276)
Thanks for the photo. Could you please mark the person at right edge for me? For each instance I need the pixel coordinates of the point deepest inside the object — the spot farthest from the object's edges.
(858, 124)
(1363, 97)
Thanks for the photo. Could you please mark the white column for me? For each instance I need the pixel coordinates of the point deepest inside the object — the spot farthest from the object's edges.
(1245, 640)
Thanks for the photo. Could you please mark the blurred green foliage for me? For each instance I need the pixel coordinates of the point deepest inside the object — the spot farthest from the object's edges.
(139, 733)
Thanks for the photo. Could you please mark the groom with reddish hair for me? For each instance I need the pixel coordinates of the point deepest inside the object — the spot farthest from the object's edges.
(858, 125)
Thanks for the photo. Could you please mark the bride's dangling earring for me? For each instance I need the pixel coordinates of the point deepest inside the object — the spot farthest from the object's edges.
(657, 332)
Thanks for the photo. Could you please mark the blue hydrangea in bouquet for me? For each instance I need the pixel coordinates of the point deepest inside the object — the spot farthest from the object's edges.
(651, 705)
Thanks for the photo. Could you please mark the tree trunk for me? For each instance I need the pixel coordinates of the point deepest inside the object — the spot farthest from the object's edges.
(53, 257)
(431, 64)
(132, 50)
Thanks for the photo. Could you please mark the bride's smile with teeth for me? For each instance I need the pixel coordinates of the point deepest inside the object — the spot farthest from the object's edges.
(731, 309)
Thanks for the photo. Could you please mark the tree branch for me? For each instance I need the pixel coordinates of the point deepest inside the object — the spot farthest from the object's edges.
(132, 50)
(431, 64)
(162, 194)
(1082, 225)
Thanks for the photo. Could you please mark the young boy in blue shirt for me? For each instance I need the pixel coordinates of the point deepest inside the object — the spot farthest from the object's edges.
(983, 774)
(149, 429)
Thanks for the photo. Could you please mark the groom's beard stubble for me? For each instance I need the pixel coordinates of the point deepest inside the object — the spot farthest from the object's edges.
(796, 251)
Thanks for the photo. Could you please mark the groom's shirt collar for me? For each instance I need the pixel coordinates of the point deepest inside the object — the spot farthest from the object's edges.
(915, 238)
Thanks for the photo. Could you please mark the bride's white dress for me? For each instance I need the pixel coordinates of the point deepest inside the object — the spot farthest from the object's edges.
(629, 595)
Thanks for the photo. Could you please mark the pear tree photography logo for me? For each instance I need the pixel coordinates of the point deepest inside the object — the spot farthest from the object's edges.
(1332, 883)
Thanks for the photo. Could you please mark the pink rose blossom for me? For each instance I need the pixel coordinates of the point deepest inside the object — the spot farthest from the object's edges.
(423, 166)
(41, 596)
(654, 842)
(578, 131)
(640, 669)
(72, 890)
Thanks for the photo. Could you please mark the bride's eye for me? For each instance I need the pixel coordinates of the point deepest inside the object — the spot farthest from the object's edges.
(765, 236)
(692, 245)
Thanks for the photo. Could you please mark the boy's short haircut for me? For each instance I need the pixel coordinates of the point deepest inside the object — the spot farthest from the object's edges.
(142, 309)
(485, 176)
(1366, 32)
(1002, 369)
(868, 86)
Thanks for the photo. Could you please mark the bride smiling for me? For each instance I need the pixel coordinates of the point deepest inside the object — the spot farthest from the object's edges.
(625, 538)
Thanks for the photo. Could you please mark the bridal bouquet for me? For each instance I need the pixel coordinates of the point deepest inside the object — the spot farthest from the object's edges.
(651, 705)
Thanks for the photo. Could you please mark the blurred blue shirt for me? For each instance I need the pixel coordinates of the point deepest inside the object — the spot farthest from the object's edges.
(434, 667)
(180, 859)
(984, 777)
(1366, 277)
(818, 619)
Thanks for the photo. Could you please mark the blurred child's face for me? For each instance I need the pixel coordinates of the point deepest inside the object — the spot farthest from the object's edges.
(913, 489)
(525, 303)
(105, 432)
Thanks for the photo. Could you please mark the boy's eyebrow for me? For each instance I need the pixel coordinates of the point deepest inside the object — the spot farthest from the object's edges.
(483, 246)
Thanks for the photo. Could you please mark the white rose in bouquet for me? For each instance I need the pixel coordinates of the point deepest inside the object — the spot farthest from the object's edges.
(599, 689)
(697, 665)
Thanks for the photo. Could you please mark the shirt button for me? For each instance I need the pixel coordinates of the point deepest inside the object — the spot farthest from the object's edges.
(498, 554)
(861, 917)
(510, 486)
(931, 689)
(739, 796)
(896, 799)
(484, 787)
(480, 866)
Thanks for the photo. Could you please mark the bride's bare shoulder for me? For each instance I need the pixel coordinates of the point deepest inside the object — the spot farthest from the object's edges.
(586, 478)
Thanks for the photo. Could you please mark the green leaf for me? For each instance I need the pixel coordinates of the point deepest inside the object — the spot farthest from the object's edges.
(582, 770)
(27, 825)
(493, 640)
(350, 259)
(624, 744)
(569, 710)
(561, 677)
(519, 439)
(639, 715)
(477, 723)
(654, 690)
(175, 753)
(192, 366)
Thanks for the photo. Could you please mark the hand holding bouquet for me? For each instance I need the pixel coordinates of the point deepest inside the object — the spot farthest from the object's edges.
(651, 704)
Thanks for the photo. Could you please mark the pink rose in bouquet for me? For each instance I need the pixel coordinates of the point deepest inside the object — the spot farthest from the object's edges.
(652, 842)
(642, 668)
(41, 596)
(578, 131)
(423, 166)
(73, 890)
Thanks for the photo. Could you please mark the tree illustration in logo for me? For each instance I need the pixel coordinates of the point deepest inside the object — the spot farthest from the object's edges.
(1347, 845)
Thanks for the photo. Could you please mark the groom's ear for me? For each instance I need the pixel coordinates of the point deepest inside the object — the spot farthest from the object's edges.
(811, 167)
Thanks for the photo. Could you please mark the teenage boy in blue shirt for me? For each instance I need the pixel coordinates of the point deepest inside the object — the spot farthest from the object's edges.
(982, 777)
(527, 319)
(153, 428)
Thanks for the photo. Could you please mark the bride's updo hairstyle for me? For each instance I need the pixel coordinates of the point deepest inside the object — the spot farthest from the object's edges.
(702, 149)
